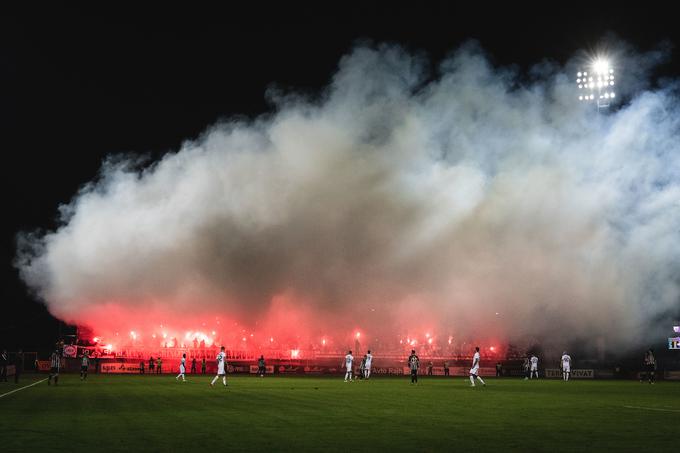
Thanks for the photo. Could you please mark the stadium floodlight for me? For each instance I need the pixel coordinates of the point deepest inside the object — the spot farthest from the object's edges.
(595, 86)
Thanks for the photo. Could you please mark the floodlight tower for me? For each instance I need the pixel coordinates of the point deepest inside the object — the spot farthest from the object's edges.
(597, 84)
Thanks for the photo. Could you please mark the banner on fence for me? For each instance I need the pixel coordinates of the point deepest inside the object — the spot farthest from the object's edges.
(70, 350)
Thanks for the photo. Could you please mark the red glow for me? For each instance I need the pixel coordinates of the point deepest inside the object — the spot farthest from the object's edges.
(294, 353)
(286, 320)
(95, 339)
(492, 348)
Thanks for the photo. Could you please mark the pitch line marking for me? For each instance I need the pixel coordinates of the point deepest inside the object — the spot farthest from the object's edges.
(16, 390)
(652, 409)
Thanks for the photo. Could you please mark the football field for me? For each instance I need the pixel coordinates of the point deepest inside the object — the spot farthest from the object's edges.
(157, 413)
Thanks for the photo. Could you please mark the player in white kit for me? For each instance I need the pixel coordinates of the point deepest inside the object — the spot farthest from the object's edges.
(475, 369)
(534, 367)
(349, 359)
(221, 367)
(182, 368)
(566, 366)
(367, 369)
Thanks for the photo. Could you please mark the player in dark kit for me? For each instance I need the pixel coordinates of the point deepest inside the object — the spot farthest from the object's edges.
(55, 363)
(413, 364)
(3, 365)
(84, 365)
(649, 367)
(261, 366)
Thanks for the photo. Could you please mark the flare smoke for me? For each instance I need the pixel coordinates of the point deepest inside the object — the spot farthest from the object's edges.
(476, 201)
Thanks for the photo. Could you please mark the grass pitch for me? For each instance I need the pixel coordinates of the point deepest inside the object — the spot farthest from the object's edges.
(157, 413)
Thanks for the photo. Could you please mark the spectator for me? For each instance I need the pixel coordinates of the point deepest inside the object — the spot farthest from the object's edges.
(141, 367)
(193, 364)
(446, 368)
(151, 364)
(203, 365)
(499, 369)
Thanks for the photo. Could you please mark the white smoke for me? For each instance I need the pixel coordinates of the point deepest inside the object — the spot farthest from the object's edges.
(478, 199)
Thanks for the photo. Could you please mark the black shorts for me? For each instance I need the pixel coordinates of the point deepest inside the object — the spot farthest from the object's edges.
(54, 370)
(83, 368)
(649, 368)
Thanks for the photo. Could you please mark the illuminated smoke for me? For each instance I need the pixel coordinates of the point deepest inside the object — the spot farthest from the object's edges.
(477, 202)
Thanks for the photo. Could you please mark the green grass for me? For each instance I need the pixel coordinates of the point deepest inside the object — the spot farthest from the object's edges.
(150, 413)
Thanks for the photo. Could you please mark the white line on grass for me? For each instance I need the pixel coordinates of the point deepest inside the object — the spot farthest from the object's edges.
(652, 409)
(16, 390)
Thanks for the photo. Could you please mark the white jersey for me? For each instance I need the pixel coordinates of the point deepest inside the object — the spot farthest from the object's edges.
(182, 367)
(221, 361)
(475, 364)
(348, 361)
(566, 362)
(369, 358)
(534, 363)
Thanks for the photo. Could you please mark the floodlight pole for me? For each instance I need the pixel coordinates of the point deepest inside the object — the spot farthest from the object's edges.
(600, 76)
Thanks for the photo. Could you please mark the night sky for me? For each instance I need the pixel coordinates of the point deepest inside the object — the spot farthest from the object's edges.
(78, 85)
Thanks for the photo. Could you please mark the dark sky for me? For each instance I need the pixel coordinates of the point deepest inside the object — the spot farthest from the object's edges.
(78, 85)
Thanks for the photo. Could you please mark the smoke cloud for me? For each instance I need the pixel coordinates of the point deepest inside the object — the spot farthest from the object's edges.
(475, 202)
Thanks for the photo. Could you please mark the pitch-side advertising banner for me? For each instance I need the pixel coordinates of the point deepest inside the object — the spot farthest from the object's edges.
(119, 367)
(574, 374)
(268, 369)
